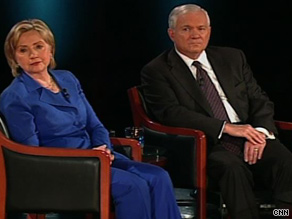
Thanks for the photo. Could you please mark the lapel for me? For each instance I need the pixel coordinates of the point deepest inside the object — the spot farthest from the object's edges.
(224, 74)
(183, 75)
(45, 95)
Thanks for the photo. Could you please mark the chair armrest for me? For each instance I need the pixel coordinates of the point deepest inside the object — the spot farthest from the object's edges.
(197, 152)
(186, 148)
(140, 119)
(201, 145)
(283, 125)
(32, 155)
(134, 144)
(285, 133)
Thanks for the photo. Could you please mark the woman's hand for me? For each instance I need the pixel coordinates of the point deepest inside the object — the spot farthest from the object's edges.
(105, 149)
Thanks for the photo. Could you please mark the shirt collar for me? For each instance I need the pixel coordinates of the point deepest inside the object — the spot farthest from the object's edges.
(202, 59)
(29, 82)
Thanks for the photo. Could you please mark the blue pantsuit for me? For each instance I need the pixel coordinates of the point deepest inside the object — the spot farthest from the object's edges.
(131, 180)
(38, 117)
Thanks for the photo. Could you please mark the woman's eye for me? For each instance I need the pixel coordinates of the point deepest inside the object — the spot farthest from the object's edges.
(23, 50)
(39, 46)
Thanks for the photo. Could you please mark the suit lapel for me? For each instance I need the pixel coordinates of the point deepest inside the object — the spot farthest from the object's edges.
(224, 73)
(54, 99)
(184, 77)
(45, 95)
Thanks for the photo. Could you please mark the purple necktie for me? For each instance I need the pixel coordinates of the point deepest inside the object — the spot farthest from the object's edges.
(233, 144)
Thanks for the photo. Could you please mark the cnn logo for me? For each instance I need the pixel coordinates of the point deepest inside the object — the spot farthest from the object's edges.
(281, 212)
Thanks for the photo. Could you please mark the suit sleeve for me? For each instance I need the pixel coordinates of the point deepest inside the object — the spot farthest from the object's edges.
(19, 119)
(171, 105)
(260, 109)
(98, 133)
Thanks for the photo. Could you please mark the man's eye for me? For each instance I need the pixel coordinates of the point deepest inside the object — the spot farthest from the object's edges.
(202, 28)
(186, 29)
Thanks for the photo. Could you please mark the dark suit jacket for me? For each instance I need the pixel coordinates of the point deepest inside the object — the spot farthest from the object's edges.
(174, 98)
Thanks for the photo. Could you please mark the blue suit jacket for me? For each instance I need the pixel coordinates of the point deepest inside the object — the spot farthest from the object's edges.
(36, 116)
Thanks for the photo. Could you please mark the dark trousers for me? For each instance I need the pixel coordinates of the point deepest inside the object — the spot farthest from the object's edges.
(236, 178)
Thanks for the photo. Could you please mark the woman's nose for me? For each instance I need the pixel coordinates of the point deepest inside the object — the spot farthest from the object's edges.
(32, 53)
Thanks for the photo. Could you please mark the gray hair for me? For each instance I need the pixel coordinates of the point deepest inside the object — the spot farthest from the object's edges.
(183, 9)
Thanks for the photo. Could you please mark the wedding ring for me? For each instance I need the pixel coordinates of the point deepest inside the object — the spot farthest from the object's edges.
(256, 149)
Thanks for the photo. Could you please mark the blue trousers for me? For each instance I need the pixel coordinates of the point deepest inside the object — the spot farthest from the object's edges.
(142, 191)
(139, 191)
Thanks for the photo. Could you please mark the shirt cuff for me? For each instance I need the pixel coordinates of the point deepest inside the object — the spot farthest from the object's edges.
(221, 132)
(266, 132)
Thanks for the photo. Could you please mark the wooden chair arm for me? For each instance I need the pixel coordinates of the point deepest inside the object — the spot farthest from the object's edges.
(141, 119)
(134, 144)
(283, 125)
(57, 152)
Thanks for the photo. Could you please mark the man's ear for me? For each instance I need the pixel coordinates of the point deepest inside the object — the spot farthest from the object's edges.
(171, 33)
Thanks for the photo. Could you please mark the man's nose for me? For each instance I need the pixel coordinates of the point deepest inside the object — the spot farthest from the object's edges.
(194, 33)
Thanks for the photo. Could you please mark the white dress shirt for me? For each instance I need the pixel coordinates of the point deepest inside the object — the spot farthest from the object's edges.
(233, 117)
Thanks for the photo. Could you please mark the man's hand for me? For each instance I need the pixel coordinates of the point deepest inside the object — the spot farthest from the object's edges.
(253, 152)
(247, 131)
(105, 149)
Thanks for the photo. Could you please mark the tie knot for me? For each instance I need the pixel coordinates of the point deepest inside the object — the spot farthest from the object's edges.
(197, 64)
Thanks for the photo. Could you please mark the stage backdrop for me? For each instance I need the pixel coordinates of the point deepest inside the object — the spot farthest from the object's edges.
(106, 43)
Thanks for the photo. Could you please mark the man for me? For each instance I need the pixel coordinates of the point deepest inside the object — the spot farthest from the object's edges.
(212, 89)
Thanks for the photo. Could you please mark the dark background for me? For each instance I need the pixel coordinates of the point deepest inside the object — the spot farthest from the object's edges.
(105, 43)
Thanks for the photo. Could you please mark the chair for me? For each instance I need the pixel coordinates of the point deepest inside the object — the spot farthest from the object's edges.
(187, 167)
(285, 133)
(194, 169)
(41, 180)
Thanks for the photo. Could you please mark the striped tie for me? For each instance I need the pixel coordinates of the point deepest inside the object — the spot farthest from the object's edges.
(233, 144)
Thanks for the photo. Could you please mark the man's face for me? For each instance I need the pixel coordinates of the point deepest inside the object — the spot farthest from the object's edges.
(191, 33)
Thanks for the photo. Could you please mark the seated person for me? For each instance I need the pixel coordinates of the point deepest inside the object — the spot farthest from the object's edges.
(46, 107)
(213, 89)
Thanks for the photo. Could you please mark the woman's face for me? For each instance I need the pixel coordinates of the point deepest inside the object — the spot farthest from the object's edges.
(32, 53)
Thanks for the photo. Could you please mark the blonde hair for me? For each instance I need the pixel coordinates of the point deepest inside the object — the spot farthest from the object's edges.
(15, 33)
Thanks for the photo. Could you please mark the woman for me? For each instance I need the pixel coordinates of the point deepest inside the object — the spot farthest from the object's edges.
(46, 107)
